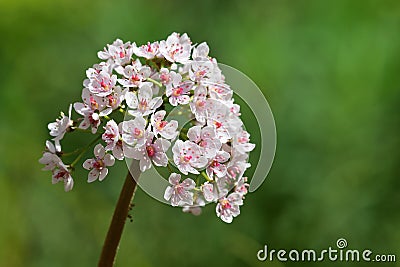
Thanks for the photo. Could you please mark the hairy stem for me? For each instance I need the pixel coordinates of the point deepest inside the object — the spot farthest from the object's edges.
(121, 211)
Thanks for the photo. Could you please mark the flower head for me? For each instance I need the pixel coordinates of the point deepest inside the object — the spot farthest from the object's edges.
(98, 165)
(177, 193)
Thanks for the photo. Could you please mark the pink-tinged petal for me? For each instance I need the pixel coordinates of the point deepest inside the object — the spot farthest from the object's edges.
(103, 173)
(79, 107)
(173, 101)
(160, 159)
(88, 164)
(168, 193)
(145, 93)
(93, 175)
(188, 184)
(108, 160)
(208, 192)
(174, 178)
(99, 151)
(118, 152)
(68, 184)
(194, 134)
(131, 100)
(183, 99)
(145, 163)
(50, 147)
(155, 103)
(158, 116)
(186, 198)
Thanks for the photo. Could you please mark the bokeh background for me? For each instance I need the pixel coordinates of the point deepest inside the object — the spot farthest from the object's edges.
(330, 71)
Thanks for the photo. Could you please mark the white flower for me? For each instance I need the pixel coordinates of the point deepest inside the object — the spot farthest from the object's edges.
(134, 74)
(166, 76)
(199, 104)
(225, 123)
(178, 90)
(98, 165)
(163, 128)
(240, 142)
(201, 71)
(216, 166)
(210, 192)
(228, 208)
(188, 157)
(60, 127)
(113, 139)
(133, 131)
(91, 118)
(179, 193)
(50, 158)
(148, 51)
(143, 104)
(200, 52)
(150, 152)
(118, 52)
(63, 174)
(102, 83)
(241, 186)
(206, 138)
(176, 48)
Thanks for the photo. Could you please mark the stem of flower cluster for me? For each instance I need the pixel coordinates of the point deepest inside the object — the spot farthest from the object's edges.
(111, 243)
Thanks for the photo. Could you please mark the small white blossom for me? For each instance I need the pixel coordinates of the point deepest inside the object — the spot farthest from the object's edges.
(133, 131)
(102, 83)
(216, 165)
(113, 139)
(166, 129)
(179, 193)
(98, 165)
(148, 51)
(143, 104)
(49, 157)
(188, 157)
(134, 74)
(63, 174)
(151, 151)
(176, 48)
(118, 52)
(178, 91)
(206, 138)
(228, 208)
(60, 127)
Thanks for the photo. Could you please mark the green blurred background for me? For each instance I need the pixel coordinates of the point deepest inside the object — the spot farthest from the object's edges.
(330, 71)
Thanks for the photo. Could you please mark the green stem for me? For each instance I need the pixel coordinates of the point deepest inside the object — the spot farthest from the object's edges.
(84, 150)
(206, 176)
(155, 82)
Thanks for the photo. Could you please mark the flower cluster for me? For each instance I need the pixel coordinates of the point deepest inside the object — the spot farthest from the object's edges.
(145, 83)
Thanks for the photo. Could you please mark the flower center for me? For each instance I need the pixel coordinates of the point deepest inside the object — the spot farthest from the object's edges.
(218, 124)
(104, 85)
(121, 54)
(137, 133)
(225, 204)
(150, 151)
(186, 159)
(161, 124)
(178, 91)
(143, 105)
(93, 103)
(98, 164)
